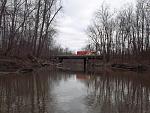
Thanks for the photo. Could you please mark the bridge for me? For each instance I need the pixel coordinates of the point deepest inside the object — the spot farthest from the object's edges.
(60, 58)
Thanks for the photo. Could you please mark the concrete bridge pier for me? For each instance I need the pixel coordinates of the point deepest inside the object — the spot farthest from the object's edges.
(85, 64)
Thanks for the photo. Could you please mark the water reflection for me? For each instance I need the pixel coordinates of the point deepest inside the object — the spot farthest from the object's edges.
(118, 94)
(60, 92)
(28, 93)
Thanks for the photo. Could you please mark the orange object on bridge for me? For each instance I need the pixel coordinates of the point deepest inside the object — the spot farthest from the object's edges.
(85, 52)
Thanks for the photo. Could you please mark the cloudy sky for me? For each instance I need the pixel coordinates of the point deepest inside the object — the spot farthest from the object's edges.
(77, 15)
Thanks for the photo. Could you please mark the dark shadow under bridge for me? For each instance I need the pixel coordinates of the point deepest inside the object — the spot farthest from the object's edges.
(86, 58)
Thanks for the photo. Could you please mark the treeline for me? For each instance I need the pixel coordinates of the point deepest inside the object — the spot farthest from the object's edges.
(123, 34)
(28, 27)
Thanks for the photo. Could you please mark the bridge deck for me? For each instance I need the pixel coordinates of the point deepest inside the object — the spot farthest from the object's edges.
(79, 57)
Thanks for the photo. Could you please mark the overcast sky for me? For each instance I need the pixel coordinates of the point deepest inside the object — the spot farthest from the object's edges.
(77, 15)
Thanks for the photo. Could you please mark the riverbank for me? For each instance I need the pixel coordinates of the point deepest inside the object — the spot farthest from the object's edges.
(98, 66)
(16, 65)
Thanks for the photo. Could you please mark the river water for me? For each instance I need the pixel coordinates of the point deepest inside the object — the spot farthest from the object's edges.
(65, 92)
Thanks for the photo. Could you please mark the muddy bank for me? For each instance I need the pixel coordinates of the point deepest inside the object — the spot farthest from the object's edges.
(13, 65)
(98, 66)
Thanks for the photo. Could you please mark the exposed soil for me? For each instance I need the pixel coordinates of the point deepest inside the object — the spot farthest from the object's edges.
(21, 65)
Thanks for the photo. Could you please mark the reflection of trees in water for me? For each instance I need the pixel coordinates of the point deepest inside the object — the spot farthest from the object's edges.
(118, 94)
(107, 93)
(28, 93)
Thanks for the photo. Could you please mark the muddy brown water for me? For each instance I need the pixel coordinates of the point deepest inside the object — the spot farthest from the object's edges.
(65, 92)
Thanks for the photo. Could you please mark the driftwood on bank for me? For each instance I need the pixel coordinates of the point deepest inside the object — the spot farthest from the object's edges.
(129, 67)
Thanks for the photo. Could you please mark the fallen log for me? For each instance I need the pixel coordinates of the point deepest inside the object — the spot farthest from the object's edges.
(129, 67)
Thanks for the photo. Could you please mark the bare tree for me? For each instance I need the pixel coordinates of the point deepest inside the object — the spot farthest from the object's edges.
(124, 34)
(28, 26)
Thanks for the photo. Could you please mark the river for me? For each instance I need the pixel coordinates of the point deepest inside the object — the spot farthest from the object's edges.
(69, 92)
